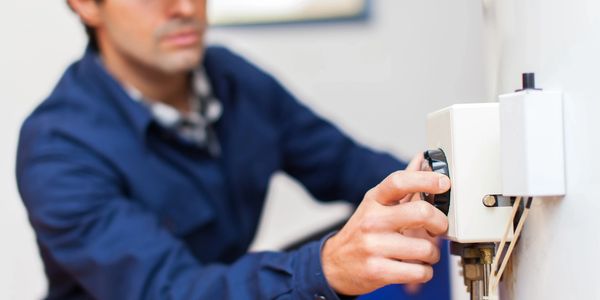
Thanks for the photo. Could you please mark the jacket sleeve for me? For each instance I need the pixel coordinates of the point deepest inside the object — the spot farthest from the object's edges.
(329, 164)
(117, 249)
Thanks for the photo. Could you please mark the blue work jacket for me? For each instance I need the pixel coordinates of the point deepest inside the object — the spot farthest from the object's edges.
(123, 208)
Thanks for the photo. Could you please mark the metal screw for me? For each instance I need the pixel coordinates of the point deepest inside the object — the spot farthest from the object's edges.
(489, 201)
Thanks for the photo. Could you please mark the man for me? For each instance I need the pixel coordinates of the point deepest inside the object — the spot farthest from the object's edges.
(145, 171)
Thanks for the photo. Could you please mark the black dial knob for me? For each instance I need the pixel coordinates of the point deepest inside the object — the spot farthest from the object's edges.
(435, 160)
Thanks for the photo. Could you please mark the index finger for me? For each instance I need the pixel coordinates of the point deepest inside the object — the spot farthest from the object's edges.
(399, 184)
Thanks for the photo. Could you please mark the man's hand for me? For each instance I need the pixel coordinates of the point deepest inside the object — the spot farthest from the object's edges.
(371, 251)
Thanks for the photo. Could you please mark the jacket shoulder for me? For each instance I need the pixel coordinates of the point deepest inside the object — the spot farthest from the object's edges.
(224, 62)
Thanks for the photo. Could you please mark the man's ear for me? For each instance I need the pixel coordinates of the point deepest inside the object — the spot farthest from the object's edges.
(88, 11)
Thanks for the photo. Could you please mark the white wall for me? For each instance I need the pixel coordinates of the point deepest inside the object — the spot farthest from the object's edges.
(556, 257)
(376, 79)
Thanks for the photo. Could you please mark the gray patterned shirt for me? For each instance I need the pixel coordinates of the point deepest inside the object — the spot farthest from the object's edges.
(196, 126)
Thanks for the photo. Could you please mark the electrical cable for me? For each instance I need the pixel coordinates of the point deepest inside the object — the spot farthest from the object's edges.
(497, 275)
(505, 236)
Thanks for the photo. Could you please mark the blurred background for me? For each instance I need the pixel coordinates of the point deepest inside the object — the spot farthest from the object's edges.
(375, 71)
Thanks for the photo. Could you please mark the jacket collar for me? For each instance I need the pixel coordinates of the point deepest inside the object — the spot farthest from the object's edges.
(110, 90)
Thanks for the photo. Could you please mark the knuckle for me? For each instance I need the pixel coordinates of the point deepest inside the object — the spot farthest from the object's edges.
(424, 210)
(369, 245)
(368, 225)
(370, 194)
(373, 270)
(444, 223)
(397, 178)
(425, 249)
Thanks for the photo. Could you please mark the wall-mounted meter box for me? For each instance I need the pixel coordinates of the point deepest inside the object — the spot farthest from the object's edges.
(533, 163)
(469, 136)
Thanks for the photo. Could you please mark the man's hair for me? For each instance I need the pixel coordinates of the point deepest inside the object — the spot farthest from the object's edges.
(90, 31)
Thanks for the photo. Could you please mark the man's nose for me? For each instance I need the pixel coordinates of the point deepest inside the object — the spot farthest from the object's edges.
(183, 8)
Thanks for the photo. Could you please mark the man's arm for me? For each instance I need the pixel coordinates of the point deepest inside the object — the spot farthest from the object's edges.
(117, 249)
(374, 248)
(332, 166)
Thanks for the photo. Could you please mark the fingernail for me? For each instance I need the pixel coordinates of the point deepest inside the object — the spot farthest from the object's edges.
(444, 182)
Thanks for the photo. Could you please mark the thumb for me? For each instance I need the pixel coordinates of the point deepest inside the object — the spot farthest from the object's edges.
(402, 183)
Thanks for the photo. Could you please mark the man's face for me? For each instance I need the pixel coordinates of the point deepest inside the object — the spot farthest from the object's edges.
(166, 35)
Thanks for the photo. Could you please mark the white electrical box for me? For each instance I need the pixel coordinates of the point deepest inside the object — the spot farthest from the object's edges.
(469, 135)
(532, 143)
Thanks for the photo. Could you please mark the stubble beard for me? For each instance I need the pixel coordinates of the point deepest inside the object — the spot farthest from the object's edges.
(177, 61)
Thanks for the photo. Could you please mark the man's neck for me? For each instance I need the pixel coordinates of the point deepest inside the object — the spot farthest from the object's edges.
(154, 85)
